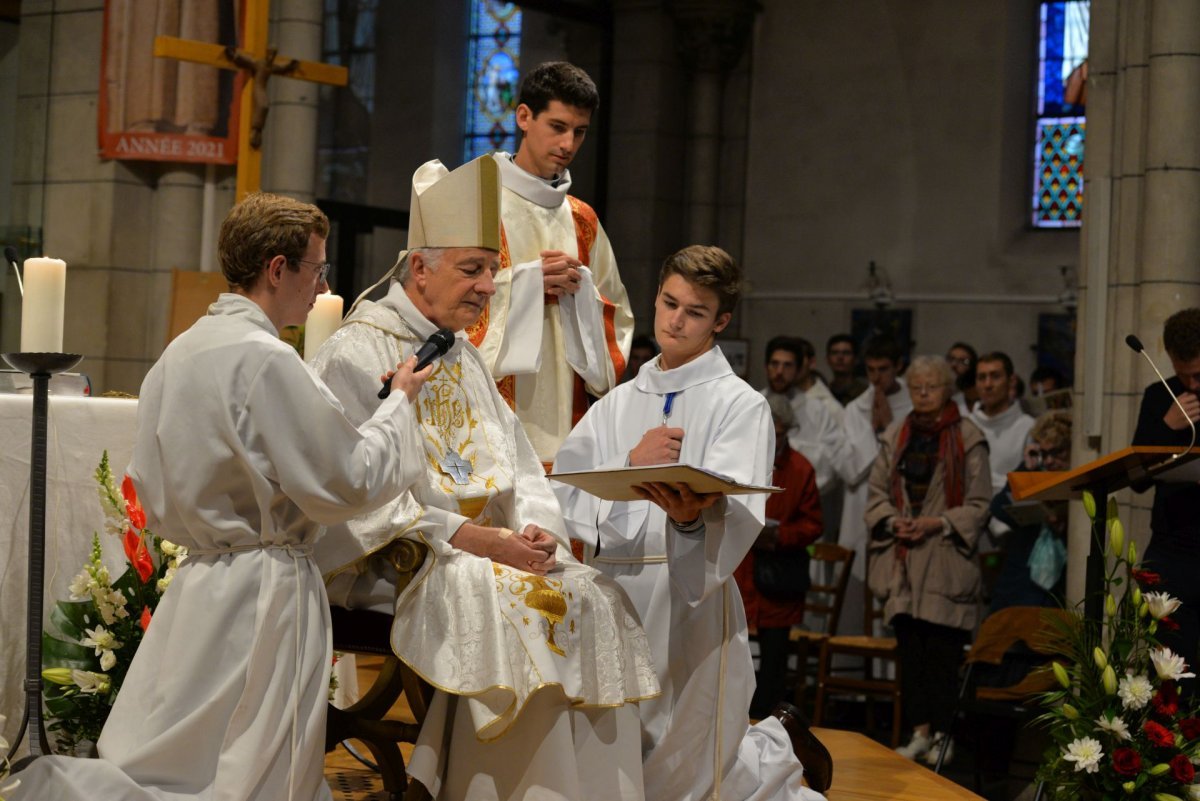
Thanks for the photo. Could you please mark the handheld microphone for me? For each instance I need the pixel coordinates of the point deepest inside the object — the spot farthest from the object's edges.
(10, 256)
(1136, 344)
(439, 342)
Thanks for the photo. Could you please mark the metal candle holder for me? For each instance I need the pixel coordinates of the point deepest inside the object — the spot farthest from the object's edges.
(39, 366)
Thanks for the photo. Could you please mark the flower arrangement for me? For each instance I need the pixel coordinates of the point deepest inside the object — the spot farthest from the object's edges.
(1118, 724)
(95, 634)
(4, 766)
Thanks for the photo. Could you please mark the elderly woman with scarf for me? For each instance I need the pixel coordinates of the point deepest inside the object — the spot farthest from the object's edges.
(928, 502)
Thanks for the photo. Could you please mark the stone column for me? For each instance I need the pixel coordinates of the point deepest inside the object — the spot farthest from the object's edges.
(1140, 243)
(711, 38)
(290, 138)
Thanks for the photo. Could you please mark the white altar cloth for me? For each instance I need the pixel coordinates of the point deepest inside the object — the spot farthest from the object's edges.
(79, 430)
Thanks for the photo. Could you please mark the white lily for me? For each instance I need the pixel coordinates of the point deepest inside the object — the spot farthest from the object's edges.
(1169, 665)
(1086, 753)
(101, 639)
(1161, 604)
(1134, 691)
(80, 586)
(89, 682)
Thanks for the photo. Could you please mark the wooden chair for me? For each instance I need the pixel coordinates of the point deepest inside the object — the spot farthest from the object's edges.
(367, 632)
(824, 602)
(1000, 632)
(868, 648)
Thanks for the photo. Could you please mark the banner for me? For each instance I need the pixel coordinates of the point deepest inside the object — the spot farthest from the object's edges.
(163, 109)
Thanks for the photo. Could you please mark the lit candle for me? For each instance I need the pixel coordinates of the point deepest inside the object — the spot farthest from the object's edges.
(323, 320)
(42, 308)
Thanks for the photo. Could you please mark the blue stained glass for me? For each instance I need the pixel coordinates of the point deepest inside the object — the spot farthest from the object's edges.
(493, 74)
(1061, 101)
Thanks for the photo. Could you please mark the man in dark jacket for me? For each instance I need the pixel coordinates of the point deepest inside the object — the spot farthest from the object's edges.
(1174, 550)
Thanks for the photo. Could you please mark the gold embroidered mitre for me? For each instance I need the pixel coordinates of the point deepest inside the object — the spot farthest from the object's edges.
(459, 209)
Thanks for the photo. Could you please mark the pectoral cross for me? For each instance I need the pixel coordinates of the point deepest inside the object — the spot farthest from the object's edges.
(456, 467)
(259, 63)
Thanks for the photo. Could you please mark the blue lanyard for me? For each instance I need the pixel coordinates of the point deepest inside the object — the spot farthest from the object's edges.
(668, 402)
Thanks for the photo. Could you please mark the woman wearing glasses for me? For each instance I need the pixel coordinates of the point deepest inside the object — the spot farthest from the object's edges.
(927, 504)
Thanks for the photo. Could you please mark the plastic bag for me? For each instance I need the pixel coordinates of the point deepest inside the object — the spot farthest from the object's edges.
(1047, 559)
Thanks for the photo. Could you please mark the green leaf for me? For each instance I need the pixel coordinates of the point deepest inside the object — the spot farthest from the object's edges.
(69, 617)
(60, 653)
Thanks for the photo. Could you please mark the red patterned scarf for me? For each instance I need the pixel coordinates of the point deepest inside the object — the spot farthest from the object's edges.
(950, 455)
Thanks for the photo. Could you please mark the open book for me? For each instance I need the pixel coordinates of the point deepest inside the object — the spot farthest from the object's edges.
(617, 484)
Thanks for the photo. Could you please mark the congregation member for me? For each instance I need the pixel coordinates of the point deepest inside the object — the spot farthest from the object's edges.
(674, 552)
(557, 330)
(774, 575)
(867, 417)
(1000, 417)
(841, 354)
(1045, 379)
(929, 493)
(817, 434)
(1174, 522)
(642, 349)
(538, 661)
(812, 384)
(241, 455)
(962, 359)
(1033, 571)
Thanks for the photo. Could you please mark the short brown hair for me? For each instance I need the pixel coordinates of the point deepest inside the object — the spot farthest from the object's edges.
(1181, 334)
(264, 226)
(707, 266)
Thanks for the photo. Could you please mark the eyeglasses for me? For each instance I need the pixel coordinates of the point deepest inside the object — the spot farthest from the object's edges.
(963, 360)
(925, 389)
(322, 268)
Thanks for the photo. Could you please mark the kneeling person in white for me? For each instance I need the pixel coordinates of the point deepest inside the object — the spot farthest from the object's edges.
(675, 552)
(538, 660)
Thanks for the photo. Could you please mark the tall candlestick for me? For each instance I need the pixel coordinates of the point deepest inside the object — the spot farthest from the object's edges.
(42, 307)
(323, 320)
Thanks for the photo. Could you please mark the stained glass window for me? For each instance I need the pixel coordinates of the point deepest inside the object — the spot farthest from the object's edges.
(1061, 114)
(493, 59)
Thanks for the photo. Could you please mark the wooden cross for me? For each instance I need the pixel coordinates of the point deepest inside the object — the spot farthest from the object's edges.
(259, 62)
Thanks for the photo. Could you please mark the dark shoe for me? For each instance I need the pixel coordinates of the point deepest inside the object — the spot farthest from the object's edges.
(818, 765)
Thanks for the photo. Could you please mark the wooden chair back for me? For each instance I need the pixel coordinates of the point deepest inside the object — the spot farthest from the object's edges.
(825, 599)
(1033, 625)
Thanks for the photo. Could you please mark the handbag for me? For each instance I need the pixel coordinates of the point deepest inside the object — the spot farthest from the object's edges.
(782, 575)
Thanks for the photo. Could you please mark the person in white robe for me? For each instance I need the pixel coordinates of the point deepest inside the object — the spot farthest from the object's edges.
(867, 417)
(675, 552)
(1003, 422)
(241, 455)
(538, 661)
(559, 325)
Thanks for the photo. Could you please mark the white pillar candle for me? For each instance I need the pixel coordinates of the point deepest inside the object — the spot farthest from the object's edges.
(42, 308)
(323, 320)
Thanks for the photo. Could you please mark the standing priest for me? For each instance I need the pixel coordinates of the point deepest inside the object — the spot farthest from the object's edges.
(537, 659)
(559, 325)
(241, 455)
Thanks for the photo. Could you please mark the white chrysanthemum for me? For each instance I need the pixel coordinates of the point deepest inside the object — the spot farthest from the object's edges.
(1169, 665)
(108, 660)
(1161, 604)
(1115, 726)
(101, 639)
(1085, 753)
(1134, 691)
(89, 682)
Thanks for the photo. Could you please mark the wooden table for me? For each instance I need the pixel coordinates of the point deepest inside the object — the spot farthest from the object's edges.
(864, 769)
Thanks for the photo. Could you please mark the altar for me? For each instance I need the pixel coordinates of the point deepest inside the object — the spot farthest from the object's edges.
(79, 431)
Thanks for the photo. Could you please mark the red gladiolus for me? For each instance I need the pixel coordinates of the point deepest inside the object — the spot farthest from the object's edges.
(1166, 700)
(1190, 727)
(1147, 578)
(133, 509)
(138, 555)
(145, 621)
(1182, 770)
(1157, 734)
(1126, 762)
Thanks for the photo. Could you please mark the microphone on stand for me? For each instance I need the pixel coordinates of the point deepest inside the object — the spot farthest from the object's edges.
(439, 342)
(10, 256)
(1136, 344)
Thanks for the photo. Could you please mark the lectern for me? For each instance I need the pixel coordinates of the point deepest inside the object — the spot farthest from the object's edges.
(1108, 474)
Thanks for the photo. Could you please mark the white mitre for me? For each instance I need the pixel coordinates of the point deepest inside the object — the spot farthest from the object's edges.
(459, 209)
